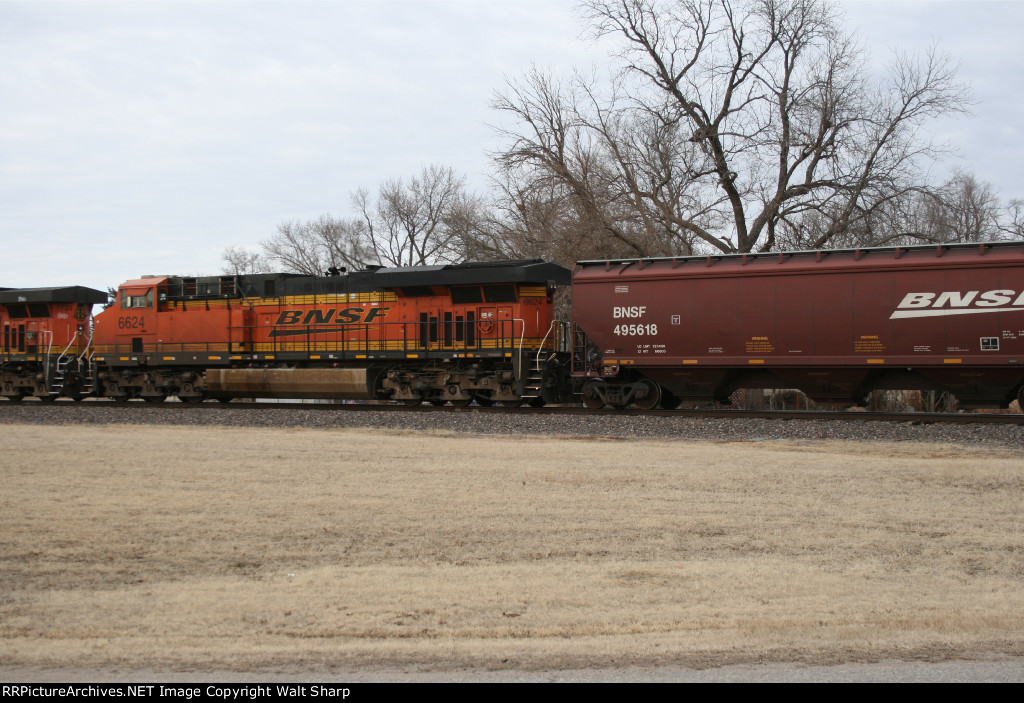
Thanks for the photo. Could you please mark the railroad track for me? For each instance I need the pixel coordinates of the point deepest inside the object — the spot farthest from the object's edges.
(921, 418)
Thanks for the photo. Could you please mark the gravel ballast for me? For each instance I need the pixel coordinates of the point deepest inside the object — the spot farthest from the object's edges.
(626, 426)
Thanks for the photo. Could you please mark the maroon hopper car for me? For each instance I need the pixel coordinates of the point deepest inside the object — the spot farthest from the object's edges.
(833, 324)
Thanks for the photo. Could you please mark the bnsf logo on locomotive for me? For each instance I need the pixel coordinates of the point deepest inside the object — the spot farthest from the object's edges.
(332, 316)
(957, 303)
(346, 316)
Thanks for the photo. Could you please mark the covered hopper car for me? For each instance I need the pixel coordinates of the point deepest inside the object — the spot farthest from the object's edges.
(833, 324)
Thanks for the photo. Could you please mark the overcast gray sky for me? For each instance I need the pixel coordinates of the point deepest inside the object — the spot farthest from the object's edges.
(145, 136)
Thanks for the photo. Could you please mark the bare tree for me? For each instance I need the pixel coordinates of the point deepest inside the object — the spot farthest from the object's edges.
(416, 221)
(963, 209)
(239, 261)
(1011, 221)
(318, 245)
(429, 218)
(573, 169)
(967, 210)
(731, 124)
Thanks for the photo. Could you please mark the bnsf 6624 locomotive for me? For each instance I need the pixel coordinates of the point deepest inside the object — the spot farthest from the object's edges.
(439, 334)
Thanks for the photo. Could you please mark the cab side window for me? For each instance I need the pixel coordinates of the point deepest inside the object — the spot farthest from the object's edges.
(136, 301)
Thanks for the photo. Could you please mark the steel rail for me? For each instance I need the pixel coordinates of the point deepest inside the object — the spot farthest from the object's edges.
(920, 418)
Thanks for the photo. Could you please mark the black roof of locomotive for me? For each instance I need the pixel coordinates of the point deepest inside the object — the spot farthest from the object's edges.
(65, 294)
(472, 273)
(534, 271)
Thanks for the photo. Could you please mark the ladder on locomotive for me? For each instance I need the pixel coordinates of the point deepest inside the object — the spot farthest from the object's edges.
(533, 374)
(64, 360)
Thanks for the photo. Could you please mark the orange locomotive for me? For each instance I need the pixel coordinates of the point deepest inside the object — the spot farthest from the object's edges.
(44, 350)
(455, 333)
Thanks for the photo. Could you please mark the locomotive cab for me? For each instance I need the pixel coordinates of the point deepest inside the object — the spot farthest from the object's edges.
(136, 314)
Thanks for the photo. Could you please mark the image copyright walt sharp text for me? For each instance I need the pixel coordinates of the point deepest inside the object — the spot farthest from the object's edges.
(227, 693)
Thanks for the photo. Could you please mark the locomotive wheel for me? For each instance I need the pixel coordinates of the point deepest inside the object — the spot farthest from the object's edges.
(198, 398)
(461, 402)
(510, 403)
(411, 401)
(484, 399)
(155, 398)
(652, 396)
(536, 402)
(47, 398)
(15, 398)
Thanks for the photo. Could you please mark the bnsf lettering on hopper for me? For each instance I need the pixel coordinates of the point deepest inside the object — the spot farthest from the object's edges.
(958, 303)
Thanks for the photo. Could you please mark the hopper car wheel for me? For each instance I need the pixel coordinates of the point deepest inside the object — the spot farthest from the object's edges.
(591, 398)
(510, 403)
(461, 402)
(651, 398)
(15, 398)
(47, 398)
(437, 403)
(411, 402)
(668, 400)
(536, 402)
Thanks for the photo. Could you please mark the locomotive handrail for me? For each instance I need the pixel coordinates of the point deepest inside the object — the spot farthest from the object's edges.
(522, 337)
(540, 349)
(64, 353)
(88, 347)
(46, 366)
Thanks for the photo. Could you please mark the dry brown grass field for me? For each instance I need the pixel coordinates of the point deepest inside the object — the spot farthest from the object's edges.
(297, 550)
